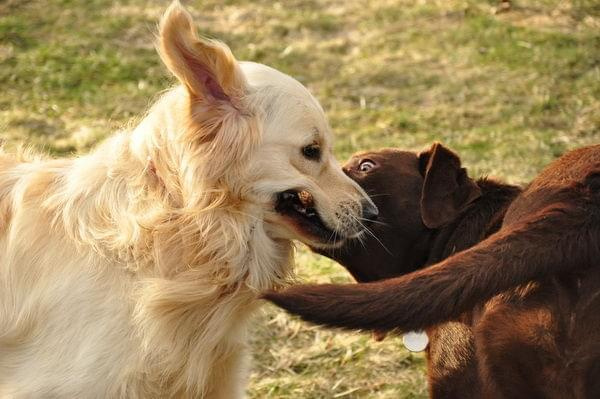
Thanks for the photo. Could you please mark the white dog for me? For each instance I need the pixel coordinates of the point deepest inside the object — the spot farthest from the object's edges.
(132, 271)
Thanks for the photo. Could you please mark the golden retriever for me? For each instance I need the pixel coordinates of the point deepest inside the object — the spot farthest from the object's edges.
(132, 271)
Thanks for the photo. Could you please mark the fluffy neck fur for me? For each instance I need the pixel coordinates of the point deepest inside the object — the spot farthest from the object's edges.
(192, 293)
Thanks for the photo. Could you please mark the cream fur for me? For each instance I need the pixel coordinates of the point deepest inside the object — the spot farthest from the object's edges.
(132, 272)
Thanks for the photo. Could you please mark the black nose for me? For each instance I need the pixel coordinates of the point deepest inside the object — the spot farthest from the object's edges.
(369, 211)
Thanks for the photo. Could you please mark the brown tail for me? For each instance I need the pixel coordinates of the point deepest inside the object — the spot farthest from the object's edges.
(559, 238)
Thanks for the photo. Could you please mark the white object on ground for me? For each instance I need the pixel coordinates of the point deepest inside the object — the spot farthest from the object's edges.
(415, 341)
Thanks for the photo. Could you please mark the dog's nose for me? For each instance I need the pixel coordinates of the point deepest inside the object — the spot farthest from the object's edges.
(369, 211)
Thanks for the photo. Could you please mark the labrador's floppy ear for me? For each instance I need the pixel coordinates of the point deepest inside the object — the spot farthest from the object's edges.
(205, 67)
(447, 189)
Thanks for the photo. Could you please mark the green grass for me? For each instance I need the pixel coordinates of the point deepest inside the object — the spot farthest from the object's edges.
(508, 91)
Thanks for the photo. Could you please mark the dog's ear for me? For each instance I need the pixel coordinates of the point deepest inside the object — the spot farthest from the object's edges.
(206, 67)
(447, 189)
(217, 89)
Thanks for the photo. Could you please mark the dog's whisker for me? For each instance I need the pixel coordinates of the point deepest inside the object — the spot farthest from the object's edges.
(379, 195)
(372, 235)
(361, 241)
(373, 221)
(333, 236)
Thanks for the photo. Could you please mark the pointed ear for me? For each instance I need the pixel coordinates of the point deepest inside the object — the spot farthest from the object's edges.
(206, 67)
(447, 189)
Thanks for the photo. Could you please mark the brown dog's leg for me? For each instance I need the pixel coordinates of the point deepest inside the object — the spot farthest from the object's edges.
(564, 236)
(451, 362)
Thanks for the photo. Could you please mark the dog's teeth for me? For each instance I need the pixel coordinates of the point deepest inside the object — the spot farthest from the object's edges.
(299, 208)
(287, 196)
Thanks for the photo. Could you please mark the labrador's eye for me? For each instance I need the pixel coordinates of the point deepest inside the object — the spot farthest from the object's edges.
(366, 165)
(312, 152)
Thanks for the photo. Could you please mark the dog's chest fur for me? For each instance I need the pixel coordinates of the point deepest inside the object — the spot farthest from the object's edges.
(118, 329)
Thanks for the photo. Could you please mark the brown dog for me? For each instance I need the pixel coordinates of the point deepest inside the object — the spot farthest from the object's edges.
(537, 333)
(410, 190)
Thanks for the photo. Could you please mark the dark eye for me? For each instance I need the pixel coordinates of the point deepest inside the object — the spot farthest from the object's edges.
(312, 152)
(366, 165)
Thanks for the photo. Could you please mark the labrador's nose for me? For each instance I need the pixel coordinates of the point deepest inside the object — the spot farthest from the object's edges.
(369, 211)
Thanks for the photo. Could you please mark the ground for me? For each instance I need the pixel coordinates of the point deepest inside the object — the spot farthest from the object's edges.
(509, 90)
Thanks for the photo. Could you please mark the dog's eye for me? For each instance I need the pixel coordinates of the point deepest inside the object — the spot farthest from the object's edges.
(312, 152)
(366, 165)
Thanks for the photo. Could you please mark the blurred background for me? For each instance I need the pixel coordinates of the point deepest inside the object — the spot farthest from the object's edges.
(509, 85)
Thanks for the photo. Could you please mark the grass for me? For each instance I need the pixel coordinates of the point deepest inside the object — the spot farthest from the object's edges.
(509, 91)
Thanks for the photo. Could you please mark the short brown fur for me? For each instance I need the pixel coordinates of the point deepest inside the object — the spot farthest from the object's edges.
(529, 292)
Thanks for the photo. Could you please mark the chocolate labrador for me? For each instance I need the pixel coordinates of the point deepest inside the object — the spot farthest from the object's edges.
(511, 303)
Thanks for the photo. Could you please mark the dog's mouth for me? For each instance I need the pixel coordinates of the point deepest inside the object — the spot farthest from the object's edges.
(298, 207)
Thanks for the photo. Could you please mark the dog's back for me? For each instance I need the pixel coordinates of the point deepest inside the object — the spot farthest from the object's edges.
(551, 349)
(555, 183)
(36, 317)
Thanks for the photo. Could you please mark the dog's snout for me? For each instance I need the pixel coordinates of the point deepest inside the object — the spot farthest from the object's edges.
(369, 211)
